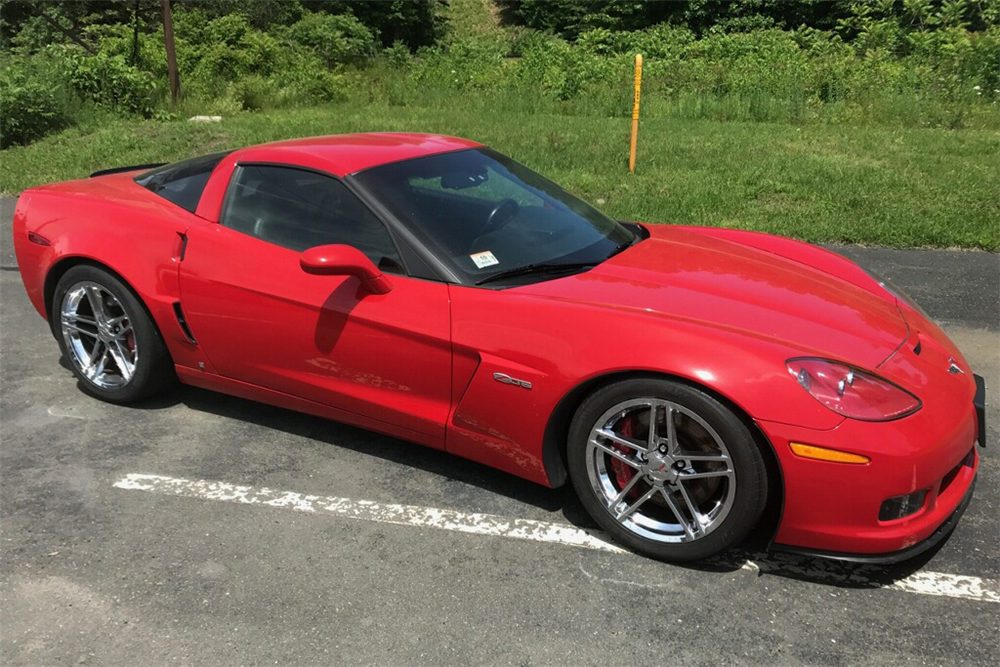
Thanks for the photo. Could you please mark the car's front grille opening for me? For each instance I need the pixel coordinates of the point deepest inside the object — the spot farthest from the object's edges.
(953, 473)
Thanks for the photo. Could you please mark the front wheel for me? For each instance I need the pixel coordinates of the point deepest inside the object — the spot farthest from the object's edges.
(112, 344)
(666, 469)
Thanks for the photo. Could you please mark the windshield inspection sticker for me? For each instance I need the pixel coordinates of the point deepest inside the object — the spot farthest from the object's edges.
(484, 259)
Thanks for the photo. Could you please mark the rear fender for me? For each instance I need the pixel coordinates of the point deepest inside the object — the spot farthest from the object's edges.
(139, 241)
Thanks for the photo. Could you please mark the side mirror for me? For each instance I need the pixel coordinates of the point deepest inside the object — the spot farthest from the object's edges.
(343, 260)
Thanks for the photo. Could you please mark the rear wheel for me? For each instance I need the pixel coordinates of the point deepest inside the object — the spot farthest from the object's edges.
(666, 469)
(108, 338)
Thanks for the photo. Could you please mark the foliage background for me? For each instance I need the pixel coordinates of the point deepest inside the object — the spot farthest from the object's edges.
(913, 63)
(909, 71)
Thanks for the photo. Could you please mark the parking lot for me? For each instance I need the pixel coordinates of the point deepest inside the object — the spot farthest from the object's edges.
(204, 529)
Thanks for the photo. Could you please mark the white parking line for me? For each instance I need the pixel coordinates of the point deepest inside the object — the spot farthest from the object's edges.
(923, 583)
(68, 414)
(366, 510)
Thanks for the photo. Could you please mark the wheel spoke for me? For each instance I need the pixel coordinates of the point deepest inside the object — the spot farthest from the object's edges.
(73, 327)
(704, 474)
(94, 353)
(624, 442)
(671, 430)
(96, 303)
(79, 319)
(616, 454)
(708, 458)
(672, 504)
(652, 443)
(628, 487)
(628, 511)
(98, 360)
(692, 508)
(102, 364)
(125, 367)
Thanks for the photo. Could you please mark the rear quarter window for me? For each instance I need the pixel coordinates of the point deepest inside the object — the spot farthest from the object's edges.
(182, 183)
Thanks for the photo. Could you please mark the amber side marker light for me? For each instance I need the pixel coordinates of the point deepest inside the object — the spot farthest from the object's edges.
(824, 454)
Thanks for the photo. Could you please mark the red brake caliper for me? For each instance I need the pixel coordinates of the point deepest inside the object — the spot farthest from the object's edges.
(624, 472)
(130, 338)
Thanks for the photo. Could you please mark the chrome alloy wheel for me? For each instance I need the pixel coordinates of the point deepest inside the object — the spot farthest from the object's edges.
(661, 470)
(99, 336)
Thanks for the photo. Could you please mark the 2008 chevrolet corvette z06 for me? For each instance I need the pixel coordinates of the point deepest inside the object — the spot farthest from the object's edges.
(682, 378)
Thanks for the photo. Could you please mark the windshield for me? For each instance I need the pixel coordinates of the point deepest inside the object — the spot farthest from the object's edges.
(485, 214)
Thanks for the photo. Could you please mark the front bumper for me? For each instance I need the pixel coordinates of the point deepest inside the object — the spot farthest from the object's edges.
(943, 531)
(831, 509)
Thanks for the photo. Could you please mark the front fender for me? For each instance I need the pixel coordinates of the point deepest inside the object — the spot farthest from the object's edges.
(560, 346)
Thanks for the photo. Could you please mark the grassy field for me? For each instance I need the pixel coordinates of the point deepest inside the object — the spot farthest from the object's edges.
(866, 185)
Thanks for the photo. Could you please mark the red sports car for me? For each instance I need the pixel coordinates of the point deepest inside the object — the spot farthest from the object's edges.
(427, 287)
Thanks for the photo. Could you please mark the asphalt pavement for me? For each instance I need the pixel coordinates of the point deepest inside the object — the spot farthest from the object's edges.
(100, 570)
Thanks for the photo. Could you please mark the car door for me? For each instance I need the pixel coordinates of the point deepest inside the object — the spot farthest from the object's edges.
(262, 320)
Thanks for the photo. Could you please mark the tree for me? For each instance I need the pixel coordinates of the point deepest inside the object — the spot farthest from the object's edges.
(168, 42)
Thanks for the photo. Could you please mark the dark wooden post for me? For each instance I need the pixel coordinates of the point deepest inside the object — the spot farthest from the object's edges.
(168, 42)
(135, 33)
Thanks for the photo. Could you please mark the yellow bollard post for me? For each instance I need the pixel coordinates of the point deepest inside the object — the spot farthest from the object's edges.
(635, 112)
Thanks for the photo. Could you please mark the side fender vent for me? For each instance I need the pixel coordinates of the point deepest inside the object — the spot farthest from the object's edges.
(179, 313)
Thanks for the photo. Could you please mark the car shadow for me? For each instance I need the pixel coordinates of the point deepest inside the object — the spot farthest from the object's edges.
(752, 555)
(839, 574)
(374, 444)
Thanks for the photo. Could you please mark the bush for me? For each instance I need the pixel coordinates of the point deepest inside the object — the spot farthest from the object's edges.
(335, 39)
(564, 71)
(34, 98)
(473, 63)
(151, 55)
(110, 82)
(227, 48)
(28, 110)
(253, 92)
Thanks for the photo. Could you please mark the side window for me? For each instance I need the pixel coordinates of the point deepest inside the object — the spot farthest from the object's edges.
(181, 182)
(299, 209)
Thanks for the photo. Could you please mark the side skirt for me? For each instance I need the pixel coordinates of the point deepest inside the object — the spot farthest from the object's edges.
(252, 392)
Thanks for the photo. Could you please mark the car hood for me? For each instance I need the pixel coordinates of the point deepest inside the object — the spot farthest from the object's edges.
(783, 295)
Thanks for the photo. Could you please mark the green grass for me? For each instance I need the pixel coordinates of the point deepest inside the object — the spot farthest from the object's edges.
(820, 183)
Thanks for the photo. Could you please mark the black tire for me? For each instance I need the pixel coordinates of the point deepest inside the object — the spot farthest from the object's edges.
(153, 369)
(746, 464)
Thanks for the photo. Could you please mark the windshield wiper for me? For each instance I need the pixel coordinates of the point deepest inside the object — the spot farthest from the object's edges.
(548, 267)
(620, 247)
(624, 245)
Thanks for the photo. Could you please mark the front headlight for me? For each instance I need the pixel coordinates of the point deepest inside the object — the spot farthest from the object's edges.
(852, 392)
